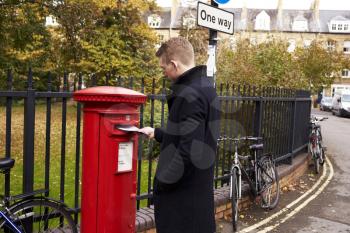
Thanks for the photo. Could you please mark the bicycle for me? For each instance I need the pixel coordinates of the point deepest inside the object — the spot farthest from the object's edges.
(315, 147)
(261, 175)
(30, 213)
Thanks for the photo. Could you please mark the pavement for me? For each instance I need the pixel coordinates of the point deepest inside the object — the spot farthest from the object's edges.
(314, 203)
(254, 214)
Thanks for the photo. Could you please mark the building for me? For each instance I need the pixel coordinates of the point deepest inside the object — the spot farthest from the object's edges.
(298, 27)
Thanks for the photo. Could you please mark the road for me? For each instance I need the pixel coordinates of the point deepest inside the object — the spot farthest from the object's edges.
(324, 205)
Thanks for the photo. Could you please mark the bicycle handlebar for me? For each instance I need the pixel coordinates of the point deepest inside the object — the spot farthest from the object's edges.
(250, 138)
(315, 119)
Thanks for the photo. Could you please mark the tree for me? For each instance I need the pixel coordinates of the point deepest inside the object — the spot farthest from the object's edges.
(77, 21)
(24, 40)
(266, 64)
(107, 36)
(99, 36)
(269, 64)
(319, 66)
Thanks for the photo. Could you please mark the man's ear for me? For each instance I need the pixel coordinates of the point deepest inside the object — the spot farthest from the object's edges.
(175, 64)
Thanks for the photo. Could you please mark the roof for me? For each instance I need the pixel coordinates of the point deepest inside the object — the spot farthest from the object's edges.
(317, 21)
(326, 16)
(340, 18)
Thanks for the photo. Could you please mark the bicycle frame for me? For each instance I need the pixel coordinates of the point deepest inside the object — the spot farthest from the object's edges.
(236, 166)
(254, 185)
(314, 140)
(8, 222)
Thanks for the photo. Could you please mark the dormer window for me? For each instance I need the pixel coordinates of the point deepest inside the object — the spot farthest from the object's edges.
(300, 24)
(339, 24)
(262, 21)
(154, 21)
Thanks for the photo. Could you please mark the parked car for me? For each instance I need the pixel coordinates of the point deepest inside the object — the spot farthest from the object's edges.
(326, 104)
(341, 104)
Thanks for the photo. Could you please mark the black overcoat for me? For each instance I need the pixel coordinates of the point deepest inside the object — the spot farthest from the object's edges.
(183, 184)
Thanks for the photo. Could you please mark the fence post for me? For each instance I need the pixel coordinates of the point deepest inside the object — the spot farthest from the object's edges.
(292, 135)
(258, 116)
(63, 138)
(28, 136)
(8, 130)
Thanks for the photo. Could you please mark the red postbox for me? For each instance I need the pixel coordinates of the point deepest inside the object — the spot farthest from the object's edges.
(109, 159)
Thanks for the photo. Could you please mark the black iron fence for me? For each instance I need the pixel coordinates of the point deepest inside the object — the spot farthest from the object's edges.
(47, 144)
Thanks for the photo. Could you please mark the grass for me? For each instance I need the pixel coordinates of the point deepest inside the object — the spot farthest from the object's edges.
(55, 151)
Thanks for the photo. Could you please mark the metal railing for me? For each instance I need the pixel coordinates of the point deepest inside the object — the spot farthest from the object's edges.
(279, 115)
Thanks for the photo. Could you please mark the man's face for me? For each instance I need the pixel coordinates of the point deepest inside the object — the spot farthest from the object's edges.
(169, 69)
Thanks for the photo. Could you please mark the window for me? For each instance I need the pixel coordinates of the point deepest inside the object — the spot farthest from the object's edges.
(160, 38)
(262, 21)
(292, 45)
(345, 73)
(51, 21)
(189, 22)
(154, 21)
(252, 41)
(307, 43)
(339, 24)
(300, 24)
(346, 47)
(331, 45)
(233, 42)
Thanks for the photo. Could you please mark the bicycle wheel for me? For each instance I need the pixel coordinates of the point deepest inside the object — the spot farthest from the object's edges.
(40, 216)
(269, 183)
(234, 199)
(322, 155)
(316, 158)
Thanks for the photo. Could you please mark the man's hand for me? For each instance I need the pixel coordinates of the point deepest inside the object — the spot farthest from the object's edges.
(147, 131)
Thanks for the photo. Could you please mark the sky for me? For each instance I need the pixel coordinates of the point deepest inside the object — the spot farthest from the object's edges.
(272, 4)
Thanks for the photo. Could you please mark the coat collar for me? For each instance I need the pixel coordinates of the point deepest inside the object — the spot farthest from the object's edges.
(191, 75)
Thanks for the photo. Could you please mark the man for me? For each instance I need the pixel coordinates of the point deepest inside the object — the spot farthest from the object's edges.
(183, 184)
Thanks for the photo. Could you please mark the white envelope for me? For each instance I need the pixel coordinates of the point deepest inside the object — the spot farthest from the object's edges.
(129, 128)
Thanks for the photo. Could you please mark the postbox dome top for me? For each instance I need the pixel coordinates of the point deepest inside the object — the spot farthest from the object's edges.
(109, 94)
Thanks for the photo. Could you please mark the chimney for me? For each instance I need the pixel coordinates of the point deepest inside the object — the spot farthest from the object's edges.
(280, 15)
(244, 16)
(174, 8)
(316, 14)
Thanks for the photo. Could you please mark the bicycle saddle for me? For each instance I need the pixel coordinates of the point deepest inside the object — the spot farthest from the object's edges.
(6, 164)
(256, 146)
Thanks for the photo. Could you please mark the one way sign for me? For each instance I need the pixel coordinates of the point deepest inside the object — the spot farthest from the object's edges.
(214, 18)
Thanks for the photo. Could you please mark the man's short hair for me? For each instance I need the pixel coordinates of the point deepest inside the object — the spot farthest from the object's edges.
(177, 48)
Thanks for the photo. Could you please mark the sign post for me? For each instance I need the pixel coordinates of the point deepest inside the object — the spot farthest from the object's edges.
(210, 16)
